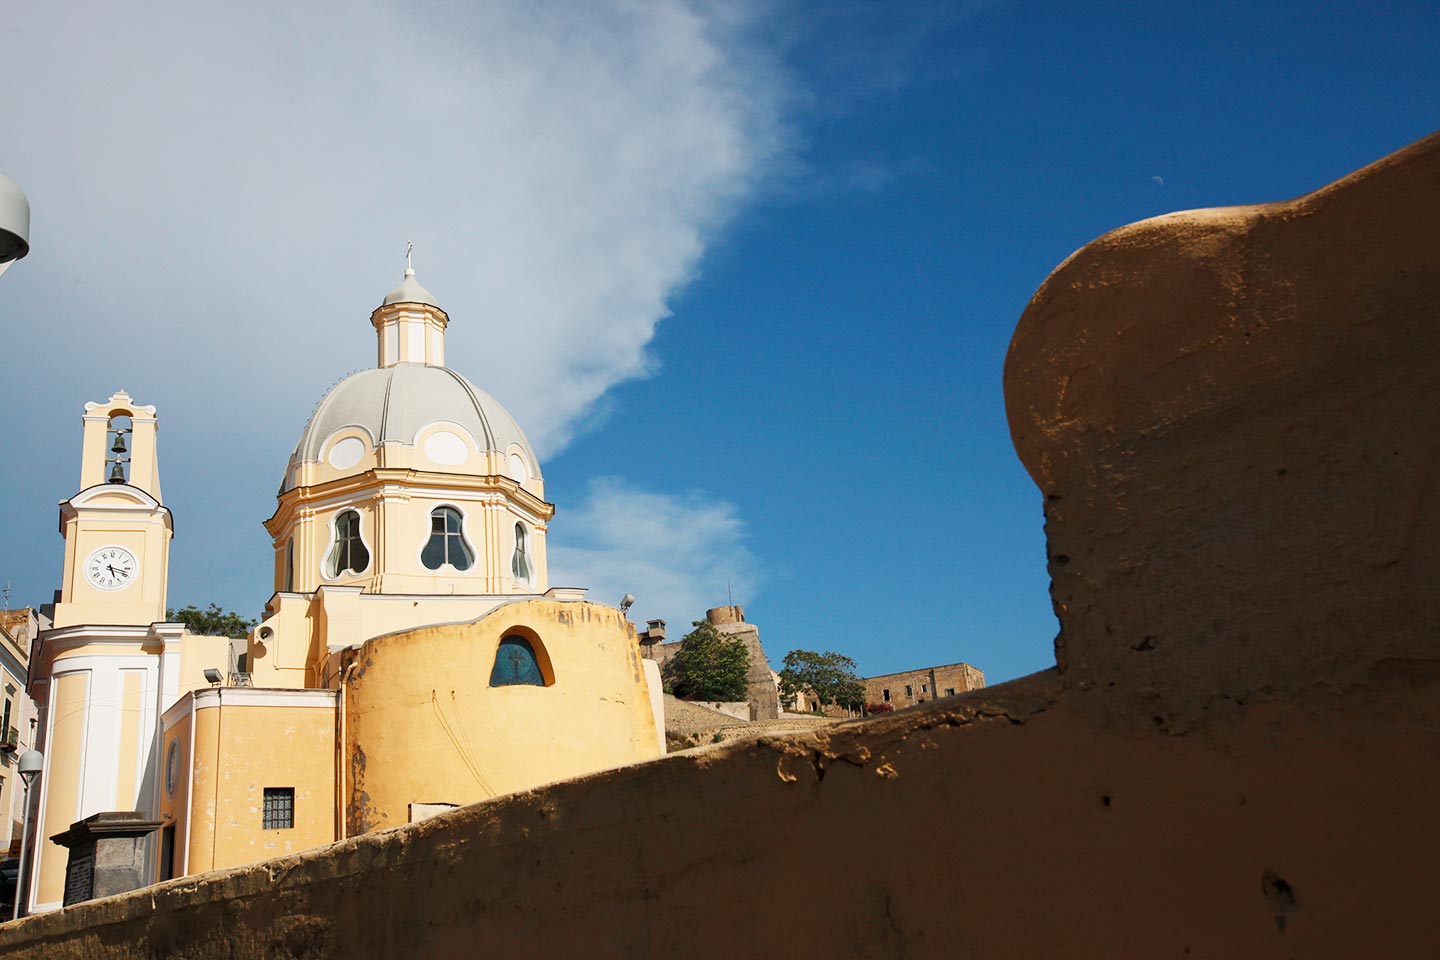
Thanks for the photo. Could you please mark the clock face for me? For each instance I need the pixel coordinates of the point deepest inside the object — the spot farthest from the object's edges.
(111, 568)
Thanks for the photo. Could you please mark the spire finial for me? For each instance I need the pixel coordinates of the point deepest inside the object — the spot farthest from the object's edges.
(409, 268)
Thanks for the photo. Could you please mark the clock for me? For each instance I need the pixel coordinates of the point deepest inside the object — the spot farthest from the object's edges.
(111, 568)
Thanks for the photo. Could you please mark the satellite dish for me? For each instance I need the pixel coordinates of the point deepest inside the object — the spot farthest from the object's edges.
(14, 222)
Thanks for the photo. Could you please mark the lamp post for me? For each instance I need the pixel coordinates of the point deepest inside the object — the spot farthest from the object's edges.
(31, 763)
(14, 223)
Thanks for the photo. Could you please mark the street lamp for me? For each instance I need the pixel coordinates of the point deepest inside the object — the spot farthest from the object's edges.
(14, 223)
(31, 763)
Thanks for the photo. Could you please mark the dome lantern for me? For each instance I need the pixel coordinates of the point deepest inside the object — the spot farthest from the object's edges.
(409, 324)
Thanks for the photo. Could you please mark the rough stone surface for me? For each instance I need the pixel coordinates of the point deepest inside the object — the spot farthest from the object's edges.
(1232, 416)
(1237, 756)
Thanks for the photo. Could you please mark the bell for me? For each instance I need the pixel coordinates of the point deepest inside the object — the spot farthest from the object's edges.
(119, 445)
(117, 473)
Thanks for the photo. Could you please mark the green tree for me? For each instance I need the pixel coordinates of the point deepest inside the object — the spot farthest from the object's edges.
(212, 621)
(830, 675)
(709, 666)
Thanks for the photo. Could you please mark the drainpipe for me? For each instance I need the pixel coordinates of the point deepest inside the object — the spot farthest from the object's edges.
(341, 780)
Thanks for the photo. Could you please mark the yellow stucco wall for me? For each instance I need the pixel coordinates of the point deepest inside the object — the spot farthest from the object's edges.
(62, 789)
(423, 725)
(244, 741)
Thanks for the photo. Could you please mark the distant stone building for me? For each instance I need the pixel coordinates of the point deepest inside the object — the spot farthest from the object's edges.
(912, 687)
(764, 696)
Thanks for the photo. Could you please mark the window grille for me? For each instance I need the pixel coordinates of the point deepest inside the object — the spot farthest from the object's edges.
(515, 665)
(909, 691)
(278, 812)
(447, 541)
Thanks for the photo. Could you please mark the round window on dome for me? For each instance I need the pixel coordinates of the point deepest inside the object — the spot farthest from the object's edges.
(345, 453)
(446, 448)
(519, 472)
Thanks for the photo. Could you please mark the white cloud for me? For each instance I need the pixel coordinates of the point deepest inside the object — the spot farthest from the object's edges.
(677, 554)
(222, 193)
(246, 176)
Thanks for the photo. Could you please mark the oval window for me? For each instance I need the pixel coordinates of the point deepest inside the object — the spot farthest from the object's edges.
(447, 448)
(346, 453)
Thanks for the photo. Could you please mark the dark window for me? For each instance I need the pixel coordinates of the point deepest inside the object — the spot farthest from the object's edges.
(279, 809)
(5, 723)
(349, 552)
(520, 563)
(447, 542)
(167, 853)
(924, 688)
(949, 691)
(909, 691)
(886, 694)
(289, 582)
(515, 665)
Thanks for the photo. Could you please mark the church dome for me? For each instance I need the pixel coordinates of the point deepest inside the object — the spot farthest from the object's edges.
(393, 403)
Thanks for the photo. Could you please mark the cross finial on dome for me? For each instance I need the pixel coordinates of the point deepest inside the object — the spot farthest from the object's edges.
(409, 268)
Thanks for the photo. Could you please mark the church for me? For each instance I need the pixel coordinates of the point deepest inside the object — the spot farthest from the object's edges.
(413, 656)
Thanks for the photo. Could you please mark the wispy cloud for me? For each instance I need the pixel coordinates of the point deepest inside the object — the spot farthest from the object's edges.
(677, 554)
(223, 192)
(246, 175)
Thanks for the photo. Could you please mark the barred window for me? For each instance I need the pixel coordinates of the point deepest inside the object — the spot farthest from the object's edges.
(515, 664)
(279, 810)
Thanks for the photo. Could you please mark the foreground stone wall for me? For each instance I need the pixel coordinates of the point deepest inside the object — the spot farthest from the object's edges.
(1238, 754)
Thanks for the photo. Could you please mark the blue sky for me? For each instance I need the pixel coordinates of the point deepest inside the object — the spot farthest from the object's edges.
(746, 273)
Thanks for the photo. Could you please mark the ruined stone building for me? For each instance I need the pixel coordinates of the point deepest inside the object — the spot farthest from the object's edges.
(730, 621)
(912, 687)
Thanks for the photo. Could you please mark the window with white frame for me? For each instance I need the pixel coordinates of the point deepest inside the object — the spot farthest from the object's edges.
(520, 564)
(447, 541)
(348, 553)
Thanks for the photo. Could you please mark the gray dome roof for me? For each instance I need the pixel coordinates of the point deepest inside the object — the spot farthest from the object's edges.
(409, 291)
(393, 403)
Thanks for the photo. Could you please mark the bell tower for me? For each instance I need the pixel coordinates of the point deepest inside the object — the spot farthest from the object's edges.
(107, 666)
(117, 532)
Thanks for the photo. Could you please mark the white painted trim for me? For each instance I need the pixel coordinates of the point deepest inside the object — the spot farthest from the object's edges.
(253, 697)
(141, 498)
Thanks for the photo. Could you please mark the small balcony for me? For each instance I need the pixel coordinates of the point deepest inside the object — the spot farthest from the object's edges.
(11, 741)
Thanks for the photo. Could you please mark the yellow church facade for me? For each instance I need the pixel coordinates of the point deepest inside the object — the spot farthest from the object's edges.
(413, 656)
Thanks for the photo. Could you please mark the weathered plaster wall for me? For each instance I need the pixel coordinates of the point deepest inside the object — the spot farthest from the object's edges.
(423, 724)
(1237, 756)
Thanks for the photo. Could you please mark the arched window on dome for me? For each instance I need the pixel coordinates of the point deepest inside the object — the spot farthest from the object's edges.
(447, 541)
(348, 552)
(520, 562)
(516, 664)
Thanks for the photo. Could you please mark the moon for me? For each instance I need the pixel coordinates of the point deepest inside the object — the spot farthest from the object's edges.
(1158, 181)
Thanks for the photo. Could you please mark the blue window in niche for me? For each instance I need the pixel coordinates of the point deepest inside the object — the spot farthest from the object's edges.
(515, 665)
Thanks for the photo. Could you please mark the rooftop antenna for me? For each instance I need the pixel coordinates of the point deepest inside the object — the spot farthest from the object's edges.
(7, 594)
(409, 267)
(730, 593)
